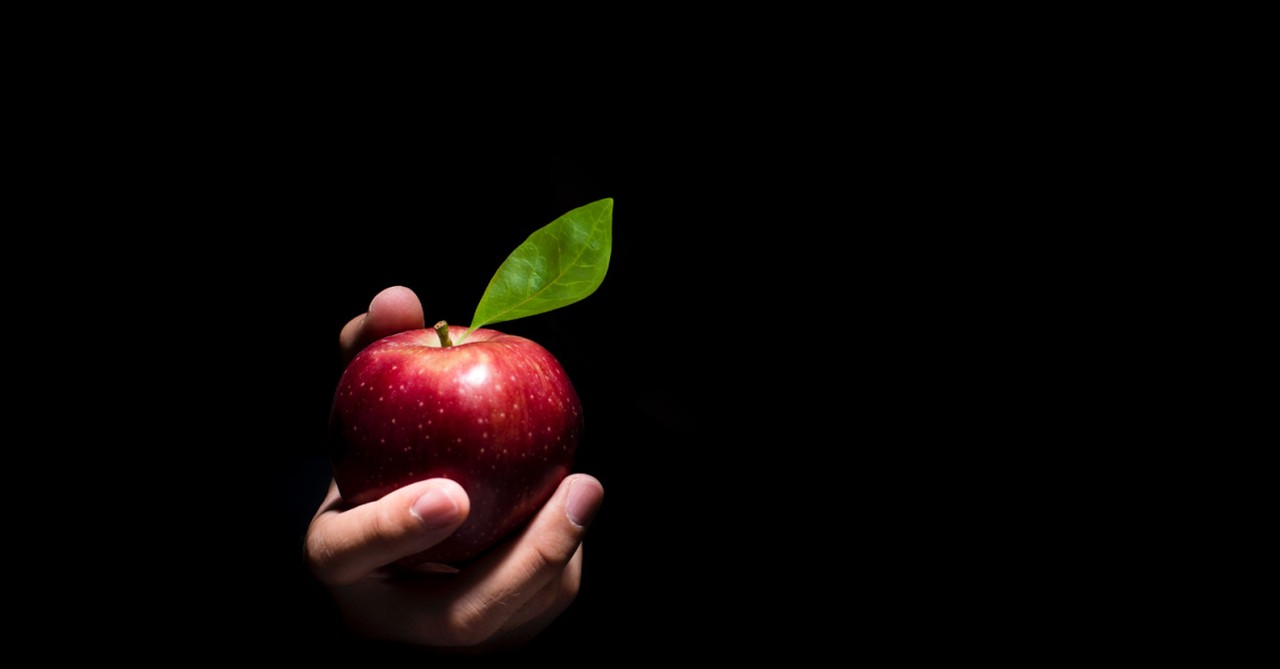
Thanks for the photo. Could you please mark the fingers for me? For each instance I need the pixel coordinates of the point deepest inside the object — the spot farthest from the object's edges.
(498, 588)
(539, 611)
(501, 600)
(393, 310)
(344, 546)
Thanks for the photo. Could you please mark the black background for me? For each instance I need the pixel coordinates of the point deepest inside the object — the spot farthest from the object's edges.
(684, 360)
(746, 369)
(812, 370)
(764, 372)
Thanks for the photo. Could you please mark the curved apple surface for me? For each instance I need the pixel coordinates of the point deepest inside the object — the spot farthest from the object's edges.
(496, 413)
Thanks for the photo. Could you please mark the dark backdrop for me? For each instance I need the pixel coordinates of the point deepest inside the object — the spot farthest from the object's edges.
(784, 374)
(746, 370)
(281, 246)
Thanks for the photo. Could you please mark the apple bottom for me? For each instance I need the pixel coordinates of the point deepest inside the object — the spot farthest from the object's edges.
(499, 508)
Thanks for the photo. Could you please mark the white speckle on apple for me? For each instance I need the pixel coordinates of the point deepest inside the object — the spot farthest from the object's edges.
(393, 421)
(419, 402)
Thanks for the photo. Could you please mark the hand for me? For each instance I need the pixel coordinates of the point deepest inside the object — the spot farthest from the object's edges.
(502, 600)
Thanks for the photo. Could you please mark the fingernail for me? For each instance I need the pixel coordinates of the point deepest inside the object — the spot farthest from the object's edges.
(584, 500)
(435, 509)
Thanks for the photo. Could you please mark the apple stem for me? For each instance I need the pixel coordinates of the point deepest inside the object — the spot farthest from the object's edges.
(442, 329)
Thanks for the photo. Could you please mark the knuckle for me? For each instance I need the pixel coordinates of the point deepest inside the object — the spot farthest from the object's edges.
(568, 590)
(469, 625)
(548, 553)
(548, 600)
(319, 558)
(379, 527)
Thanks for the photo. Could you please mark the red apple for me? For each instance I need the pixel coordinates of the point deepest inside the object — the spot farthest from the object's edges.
(496, 413)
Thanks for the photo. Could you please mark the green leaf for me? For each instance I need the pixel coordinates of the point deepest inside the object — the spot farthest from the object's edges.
(558, 265)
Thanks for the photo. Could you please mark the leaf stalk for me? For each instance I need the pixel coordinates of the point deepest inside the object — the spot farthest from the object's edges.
(442, 329)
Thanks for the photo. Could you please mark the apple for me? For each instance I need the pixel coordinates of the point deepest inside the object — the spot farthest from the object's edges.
(496, 413)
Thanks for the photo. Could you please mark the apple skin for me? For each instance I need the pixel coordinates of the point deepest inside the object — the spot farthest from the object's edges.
(496, 413)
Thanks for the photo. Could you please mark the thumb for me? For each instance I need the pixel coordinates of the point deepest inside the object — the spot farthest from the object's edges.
(393, 310)
(344, 546)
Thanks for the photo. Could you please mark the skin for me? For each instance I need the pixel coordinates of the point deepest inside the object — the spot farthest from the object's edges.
(498, 602)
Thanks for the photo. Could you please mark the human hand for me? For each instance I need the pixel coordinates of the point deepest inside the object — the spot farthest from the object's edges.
(499, 601)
